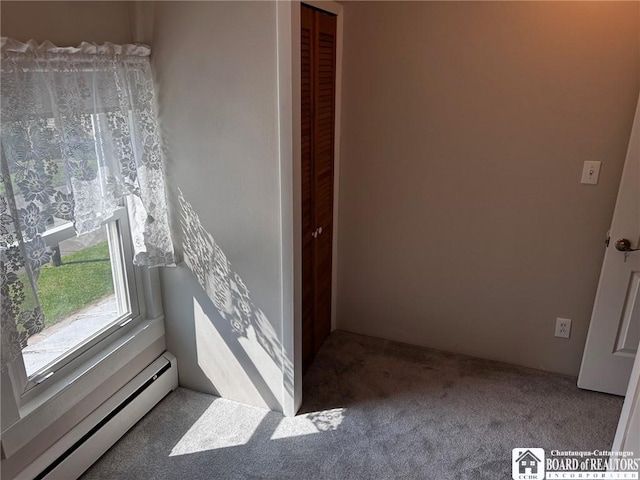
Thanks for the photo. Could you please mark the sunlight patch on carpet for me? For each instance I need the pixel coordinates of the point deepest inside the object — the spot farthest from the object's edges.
(210, 433)
(310, 423)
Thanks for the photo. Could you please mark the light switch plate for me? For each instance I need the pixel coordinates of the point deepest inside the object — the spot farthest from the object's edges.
(590, 172)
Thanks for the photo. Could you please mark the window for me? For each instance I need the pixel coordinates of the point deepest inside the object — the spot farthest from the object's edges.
(82, 205)
(87, 289)
(86, 292)
(84, 283)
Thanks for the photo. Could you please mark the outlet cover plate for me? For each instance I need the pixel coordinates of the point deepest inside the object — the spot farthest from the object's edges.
(563, 327)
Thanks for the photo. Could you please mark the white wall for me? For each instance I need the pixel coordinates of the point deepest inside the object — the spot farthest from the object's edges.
(462, 222)
(67, 23)
(216, 67)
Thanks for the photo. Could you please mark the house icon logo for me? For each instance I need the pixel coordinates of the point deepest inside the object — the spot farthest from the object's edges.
(527, 463)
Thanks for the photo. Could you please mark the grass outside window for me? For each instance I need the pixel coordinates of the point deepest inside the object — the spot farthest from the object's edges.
(83, 278)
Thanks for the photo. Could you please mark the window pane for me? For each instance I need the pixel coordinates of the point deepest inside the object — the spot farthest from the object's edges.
(76, 293)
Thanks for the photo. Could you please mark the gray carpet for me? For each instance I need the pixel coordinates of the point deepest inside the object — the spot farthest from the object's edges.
(373, 409)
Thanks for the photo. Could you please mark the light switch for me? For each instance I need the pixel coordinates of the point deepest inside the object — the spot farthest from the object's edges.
(590, 172)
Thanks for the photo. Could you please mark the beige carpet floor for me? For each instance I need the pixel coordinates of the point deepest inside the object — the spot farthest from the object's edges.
(373, 409)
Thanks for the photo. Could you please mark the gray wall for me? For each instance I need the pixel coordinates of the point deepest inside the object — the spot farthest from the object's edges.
(217, 80)
(463, 225)
(67, 23)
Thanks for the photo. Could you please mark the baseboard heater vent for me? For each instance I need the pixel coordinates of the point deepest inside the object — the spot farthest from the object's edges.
(90, 439)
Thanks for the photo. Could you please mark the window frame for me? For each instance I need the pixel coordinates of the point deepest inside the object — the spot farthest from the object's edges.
(29, 389)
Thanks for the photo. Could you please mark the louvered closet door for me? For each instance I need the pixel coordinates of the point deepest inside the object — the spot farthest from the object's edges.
(318, 53)
(308, 300)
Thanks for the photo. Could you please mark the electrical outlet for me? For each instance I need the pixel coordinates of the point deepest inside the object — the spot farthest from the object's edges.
(563, 327)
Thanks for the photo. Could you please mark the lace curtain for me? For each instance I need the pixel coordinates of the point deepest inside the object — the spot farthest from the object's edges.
(79, 135)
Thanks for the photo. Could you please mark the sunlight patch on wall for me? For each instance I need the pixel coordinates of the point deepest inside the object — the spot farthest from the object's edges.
(264, 364)
(310, 423)
(210, 433)
(247, 323)
(219, 363)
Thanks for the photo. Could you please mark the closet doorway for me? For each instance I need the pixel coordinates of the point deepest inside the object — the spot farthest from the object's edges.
(318, 99)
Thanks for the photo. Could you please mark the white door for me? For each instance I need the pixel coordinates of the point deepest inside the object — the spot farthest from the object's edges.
(628, 433)
(614, 331)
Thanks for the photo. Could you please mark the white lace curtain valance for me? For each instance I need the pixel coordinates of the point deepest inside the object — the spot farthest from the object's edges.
(80, 138)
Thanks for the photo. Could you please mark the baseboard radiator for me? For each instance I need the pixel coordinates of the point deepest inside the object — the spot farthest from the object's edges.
(74, 453)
